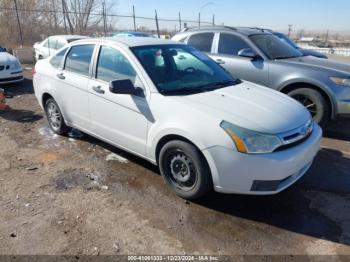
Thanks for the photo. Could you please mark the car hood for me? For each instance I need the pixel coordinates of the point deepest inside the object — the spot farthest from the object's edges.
(311, 52)
(318, 64)
(251, 106)
(6, 58)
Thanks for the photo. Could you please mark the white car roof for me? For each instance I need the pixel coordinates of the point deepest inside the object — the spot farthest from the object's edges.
(130, 41)
(69, 37)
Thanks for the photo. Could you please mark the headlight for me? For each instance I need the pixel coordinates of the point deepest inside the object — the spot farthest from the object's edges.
(16, 65)
(341, 81)
(251, 142)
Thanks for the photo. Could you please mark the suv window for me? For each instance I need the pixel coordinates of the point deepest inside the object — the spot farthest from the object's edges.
(202, 42)
(231, 44)
(56, 61)
(113, 65)
(79, 59)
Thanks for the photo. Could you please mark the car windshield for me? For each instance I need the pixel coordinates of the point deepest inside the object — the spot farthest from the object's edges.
(286, 39)
(182, 69)
(274, 48)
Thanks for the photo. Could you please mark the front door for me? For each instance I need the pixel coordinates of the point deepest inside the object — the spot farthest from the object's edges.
(253, 70)
(119, 118)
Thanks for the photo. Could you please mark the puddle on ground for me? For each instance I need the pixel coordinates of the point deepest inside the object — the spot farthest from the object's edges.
(47, 133)
(73, 178)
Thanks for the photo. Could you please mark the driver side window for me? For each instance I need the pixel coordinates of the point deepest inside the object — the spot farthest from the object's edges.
(113, 65)
(231, 44)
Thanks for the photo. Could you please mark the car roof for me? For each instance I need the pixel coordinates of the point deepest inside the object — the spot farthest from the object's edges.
(133, 33)
(70, 37)
(241, 30)
(130, 41)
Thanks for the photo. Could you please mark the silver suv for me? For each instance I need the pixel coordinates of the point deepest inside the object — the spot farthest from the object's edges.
(257, 55)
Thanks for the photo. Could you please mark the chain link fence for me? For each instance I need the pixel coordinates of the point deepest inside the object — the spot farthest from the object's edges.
(23, 25)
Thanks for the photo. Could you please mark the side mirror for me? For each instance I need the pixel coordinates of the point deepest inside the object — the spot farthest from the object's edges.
(124, 87)
(248, 52)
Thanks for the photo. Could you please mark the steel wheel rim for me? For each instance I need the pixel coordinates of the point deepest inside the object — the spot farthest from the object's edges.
(182, 171)
(308, 103)
(54, 116)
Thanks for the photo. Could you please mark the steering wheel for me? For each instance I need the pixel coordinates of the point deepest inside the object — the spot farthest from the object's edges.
(190, 70)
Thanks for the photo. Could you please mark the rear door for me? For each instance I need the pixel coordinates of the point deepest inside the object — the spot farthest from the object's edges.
(202, 41)
(72, 85)
(226, 54)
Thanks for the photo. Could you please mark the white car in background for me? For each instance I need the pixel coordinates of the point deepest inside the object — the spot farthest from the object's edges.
(175, 107)
(10, 68)
(51, 44)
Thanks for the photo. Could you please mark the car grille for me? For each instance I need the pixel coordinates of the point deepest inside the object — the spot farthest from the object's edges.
(296, 136)
(4, 67)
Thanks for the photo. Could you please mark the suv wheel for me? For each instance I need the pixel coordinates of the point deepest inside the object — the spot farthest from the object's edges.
(55, 117)
(185, 170)
(314, 102)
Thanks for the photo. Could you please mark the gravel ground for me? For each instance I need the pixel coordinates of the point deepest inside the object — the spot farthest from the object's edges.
(60, 195)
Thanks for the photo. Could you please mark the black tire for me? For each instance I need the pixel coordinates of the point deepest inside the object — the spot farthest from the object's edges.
(185, 170)
(55, 117)
(314, 102)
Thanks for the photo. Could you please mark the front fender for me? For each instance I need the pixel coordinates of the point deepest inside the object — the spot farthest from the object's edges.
(155, 138)
(313, 82)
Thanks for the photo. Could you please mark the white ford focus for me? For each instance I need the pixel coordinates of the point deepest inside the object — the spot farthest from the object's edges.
(172, 105)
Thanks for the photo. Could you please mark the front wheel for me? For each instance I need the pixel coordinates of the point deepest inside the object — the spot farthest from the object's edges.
(314, 102)
(55, 117)
(185, 170)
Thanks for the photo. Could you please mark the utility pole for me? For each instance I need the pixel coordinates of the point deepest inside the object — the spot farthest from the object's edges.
(180, 21)
(134, 17)
(19, 24)
(104, 18)
(157, 24)
(290, 30)
(199, 20)
(327, 35)
(213, 19)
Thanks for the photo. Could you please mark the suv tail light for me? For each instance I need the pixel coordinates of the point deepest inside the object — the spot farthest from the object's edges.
(33, 71)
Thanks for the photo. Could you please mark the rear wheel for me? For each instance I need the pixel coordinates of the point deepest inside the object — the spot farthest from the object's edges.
(55, 117)
(185, 170)
(314, 102)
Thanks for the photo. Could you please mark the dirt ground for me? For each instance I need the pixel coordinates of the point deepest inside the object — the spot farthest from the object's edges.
(60, 195)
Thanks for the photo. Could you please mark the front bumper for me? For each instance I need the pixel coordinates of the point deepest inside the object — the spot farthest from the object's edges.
(342, 99)
(11, 77)
(264, 174)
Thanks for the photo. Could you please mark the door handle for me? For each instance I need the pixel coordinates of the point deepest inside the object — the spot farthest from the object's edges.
(98, 89)
(220, 61)
(61, 76)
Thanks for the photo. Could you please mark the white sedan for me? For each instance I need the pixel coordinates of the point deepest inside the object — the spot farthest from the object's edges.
(10, 69)
(51, 44)
(173, 106)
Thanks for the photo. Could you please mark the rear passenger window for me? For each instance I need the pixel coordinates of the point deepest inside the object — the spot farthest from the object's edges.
(202, 42)
(79, 59)
(60, 44)
(231, 44)
(113, 65)
(56, 61)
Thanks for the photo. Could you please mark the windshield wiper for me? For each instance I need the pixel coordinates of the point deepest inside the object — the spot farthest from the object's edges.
(203, 88)
(182, 90)
(217, 85)
(285, 57)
